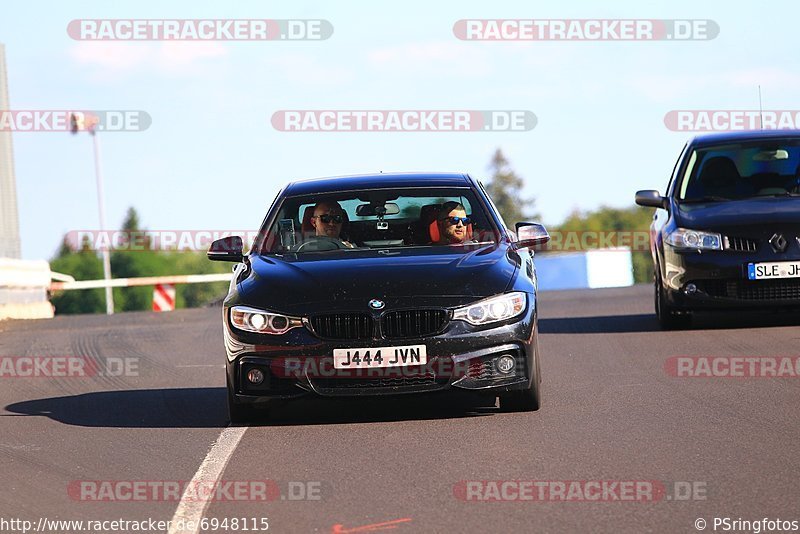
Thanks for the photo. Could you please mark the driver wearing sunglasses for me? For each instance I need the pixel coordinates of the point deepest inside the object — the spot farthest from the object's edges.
(453, 222)
(328, 219)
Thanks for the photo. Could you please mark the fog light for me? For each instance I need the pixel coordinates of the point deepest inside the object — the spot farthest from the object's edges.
(690, 289)
(505, 364)
(255, 376)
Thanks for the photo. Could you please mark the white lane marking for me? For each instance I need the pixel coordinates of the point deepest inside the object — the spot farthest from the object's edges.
(191, 508)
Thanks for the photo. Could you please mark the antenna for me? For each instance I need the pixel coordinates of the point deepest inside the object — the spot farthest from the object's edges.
(760, 108)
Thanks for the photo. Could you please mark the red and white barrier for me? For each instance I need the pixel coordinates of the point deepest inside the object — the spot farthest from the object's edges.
(163, 294)
(163, 297)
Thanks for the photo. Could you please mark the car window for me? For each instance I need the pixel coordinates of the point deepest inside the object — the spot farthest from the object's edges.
(374, 219)
(408, 206)
(744, 170)
(675, 171)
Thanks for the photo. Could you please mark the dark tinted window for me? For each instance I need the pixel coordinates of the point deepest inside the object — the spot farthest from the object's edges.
(765, 168)
(375, 218)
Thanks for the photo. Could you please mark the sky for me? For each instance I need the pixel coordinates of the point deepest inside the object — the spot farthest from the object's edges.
(211, 159)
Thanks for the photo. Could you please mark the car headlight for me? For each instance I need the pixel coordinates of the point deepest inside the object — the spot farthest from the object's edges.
(694, 239)
(494, 309)
(262, 322)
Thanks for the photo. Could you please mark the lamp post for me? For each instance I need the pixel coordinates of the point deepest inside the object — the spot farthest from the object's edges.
(80, 122)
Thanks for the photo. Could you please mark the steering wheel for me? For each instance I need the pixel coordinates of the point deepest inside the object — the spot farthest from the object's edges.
(320, 243)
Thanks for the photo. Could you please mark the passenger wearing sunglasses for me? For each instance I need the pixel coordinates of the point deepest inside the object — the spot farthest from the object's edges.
(328, 219)
(453, 223)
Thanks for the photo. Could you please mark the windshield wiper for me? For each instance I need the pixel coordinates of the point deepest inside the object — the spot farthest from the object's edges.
(782, 194)
(710, 198)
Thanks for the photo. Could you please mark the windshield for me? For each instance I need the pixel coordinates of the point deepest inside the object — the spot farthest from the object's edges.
(379, 219)
(744, 170)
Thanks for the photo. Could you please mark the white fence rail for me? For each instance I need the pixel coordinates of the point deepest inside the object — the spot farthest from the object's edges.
(143, 281)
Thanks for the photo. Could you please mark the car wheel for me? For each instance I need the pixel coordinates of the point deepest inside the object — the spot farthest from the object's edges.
(668, 318)
(243, 413)
(526, 400)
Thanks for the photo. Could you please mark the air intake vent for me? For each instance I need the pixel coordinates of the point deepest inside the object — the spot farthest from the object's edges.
(741, 244)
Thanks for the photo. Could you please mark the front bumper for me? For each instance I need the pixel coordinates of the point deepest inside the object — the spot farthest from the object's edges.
(463, 357)
(721, 283)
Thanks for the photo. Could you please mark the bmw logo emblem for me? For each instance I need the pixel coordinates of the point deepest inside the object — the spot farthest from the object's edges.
(376, 304)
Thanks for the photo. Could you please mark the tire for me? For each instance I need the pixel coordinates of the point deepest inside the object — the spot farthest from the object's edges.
(668, 318)
(527, 400)
(244, 413)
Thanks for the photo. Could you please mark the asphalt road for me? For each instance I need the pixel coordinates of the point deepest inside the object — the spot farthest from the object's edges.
(611, 412)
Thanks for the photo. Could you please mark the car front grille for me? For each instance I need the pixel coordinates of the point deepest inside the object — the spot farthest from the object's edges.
(343, 326)
(413, 323)
(394, 325)
(752, 289)
(741, 244)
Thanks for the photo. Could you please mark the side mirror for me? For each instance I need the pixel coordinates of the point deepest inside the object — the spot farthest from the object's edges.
(226, 249)
(651, 198)
(530, 235)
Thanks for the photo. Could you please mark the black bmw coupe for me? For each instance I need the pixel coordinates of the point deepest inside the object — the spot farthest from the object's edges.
(726, 235)
(382, 284)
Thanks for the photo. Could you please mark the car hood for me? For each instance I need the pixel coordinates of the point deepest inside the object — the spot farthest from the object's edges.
(719, 216)
(350, 279)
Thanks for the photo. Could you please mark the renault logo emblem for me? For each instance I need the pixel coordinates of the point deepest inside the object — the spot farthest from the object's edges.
(778, 243)
(376, 304)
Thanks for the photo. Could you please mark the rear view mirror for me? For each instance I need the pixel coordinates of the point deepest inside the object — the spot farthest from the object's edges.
(771, 155)
(226, 249)
(530, 235)
(373, 210)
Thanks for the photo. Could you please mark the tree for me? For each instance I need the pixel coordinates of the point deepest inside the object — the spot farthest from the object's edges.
(505, 189)
(131, 222)
(124, 264)
(82, 265)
